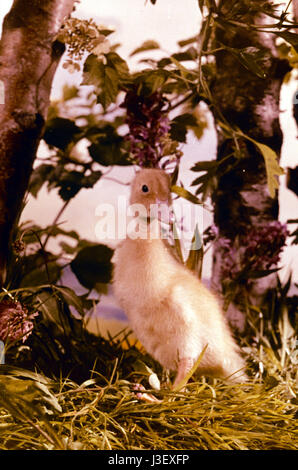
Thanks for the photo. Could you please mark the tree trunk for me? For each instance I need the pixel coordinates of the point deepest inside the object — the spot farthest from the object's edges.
(295, 105)
(250, 103)
(292, 175)
(29, 55)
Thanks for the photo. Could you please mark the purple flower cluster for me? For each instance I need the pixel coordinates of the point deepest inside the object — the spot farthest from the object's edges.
(257, 250)
(264, 244)
(15, 323)
(148, 127)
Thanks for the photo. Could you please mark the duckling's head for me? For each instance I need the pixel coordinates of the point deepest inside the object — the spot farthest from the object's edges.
(150, 186)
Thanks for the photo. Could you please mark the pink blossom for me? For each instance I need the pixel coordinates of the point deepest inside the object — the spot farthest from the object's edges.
(15, 323)
(258, 249)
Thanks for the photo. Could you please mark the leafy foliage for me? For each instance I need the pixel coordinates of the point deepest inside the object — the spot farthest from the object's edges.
(107, 78)
(146, 46)
(180, 126)
(109, 148)
(92, 265)
(273, 169)
(60, 132)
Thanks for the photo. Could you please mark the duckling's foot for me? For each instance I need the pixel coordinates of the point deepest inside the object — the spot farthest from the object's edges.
(143, 395)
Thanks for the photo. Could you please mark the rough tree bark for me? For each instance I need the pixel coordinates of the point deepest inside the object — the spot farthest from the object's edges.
(29, 55)
(251, 104)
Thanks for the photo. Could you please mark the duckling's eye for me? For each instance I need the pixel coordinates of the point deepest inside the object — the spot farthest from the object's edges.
(145, 188)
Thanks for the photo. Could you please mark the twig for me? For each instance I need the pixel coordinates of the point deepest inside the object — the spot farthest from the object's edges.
(55, 222)
(186, 98)
(115, 180)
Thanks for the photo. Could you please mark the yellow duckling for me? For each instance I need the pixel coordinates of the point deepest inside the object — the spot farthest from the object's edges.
(171, 312)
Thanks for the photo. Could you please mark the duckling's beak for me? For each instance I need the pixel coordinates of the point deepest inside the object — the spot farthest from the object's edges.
(163, 211)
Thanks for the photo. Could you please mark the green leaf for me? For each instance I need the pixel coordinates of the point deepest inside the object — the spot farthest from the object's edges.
(70, 92)
(182, 192)
(106, 153)
(39, 268)
(292, 38)
(107, 150)
(174, 175)
(110, 87)
(273, 169)
(90, 180)
(68, 249)
(208, 185)
(115, 61)
(190, 54)
(151, 81)
(106, 32)
(251, 58)
(56, 230)
(180, 125)
(27, 393)
(205, 166)
(49, 308)
(39, 176)
(71, 298)
(146, 46)
(70, 184)
(201, 179)
(93, 72)
(54, 305)
(186, 42)
(194, 261)
(13, 371)
(207, 182)
(183, 70)
(106, 78)
(92, 265)
(60, 132)
(260, 273)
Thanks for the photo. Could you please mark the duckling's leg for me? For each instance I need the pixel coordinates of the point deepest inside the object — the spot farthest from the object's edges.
(184, 366)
